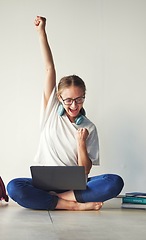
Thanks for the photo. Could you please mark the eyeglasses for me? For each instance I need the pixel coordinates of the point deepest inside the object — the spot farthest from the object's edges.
(69, 101)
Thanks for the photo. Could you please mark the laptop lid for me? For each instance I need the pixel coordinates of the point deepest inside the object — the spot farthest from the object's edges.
(58, 177)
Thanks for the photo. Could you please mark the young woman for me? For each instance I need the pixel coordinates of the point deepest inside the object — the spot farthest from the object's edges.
(67, 138)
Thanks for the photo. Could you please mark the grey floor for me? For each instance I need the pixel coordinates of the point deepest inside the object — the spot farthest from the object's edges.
(110, 223)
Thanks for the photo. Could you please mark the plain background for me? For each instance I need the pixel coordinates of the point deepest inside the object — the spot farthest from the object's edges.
(103, 41)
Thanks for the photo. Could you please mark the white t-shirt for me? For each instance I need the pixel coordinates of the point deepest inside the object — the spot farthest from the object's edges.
(57, 146)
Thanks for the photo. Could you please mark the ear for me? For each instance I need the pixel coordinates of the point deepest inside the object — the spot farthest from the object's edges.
(59, 98)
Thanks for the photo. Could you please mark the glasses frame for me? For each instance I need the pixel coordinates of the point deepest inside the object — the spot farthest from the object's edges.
(73, 100)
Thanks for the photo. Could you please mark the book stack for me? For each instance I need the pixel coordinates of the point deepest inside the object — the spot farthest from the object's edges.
(134, 200)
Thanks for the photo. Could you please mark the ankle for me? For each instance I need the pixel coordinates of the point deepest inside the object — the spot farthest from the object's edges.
(66, 205)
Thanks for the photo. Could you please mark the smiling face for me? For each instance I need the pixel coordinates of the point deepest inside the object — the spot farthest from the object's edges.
(72, 92)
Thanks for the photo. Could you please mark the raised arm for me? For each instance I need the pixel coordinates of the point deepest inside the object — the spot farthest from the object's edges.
(50, 79)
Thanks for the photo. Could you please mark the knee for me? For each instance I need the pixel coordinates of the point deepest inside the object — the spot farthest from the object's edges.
(118, 184)
(14, 188)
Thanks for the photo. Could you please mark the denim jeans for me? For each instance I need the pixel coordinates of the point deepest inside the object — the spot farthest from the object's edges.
(99, 189)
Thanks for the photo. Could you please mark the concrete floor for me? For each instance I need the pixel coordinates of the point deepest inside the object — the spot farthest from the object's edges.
(110, 223)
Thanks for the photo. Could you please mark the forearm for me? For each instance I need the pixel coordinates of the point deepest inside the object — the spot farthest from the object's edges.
(50, 79)
(46, 50)
(83, 159)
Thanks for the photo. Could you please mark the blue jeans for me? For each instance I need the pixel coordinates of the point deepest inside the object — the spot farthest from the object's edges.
(99, 189)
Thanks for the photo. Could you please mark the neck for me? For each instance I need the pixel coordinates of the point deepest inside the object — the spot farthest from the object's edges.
(71, 119)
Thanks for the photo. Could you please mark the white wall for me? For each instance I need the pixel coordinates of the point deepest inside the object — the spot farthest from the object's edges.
(103, 41)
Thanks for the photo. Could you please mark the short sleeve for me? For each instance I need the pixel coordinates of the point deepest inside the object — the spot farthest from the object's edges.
(93, 146)
(50, 108)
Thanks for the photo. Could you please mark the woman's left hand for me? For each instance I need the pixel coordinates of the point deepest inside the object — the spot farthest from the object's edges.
(82, 134)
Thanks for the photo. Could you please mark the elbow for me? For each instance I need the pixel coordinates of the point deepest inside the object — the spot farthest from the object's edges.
(50, 68)
(88, 168)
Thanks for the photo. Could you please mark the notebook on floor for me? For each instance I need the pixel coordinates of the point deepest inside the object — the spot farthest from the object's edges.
(58, 177)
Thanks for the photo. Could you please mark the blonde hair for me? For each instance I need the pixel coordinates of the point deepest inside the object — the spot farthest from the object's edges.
(71, 80)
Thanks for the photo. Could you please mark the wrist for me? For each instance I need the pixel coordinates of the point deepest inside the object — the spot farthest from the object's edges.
(42, 32)
(81, 144)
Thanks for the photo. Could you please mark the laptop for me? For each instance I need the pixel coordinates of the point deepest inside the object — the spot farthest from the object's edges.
(55, 178)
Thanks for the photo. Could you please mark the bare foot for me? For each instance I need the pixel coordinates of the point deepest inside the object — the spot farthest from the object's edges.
(89, 206)
(75, 206)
